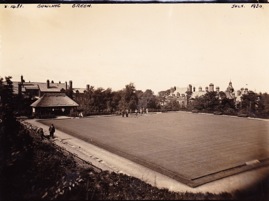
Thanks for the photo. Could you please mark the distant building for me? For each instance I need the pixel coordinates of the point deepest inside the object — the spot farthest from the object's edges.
(179, 94)
(38, 89)
(196, 94)
(182, 94)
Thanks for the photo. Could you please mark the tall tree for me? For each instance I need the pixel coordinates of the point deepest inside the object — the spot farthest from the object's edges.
(9, 127)
(249, 102)
(116, 97)
(129, 98)
(107, 95)
(98, 98)
(162, 98)
(209, 102)
(148, 99)
(7, 101)
(263, 105)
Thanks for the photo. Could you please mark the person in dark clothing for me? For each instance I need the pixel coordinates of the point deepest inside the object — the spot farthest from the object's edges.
(52, 130)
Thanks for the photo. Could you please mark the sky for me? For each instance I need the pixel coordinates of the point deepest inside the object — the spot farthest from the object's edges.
(154, 46)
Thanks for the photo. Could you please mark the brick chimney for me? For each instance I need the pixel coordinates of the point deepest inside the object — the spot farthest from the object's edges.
(48, 84)
(70, 85)
(22, 81)
(189, 89)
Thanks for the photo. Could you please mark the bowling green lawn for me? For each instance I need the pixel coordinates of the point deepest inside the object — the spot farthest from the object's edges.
(182, 145)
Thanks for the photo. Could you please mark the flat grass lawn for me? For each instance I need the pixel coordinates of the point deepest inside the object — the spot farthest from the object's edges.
(182, 145)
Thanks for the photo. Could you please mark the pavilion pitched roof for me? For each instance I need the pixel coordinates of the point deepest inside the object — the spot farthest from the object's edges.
(54, 100)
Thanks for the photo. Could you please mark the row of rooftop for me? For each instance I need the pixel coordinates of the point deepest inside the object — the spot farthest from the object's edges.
(38, 89)
(229, 92)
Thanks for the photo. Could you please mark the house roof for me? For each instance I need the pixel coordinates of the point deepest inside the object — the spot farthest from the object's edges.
(31, 87)
(42, 86)
(53, 87)
(54, 100)
(25, 86)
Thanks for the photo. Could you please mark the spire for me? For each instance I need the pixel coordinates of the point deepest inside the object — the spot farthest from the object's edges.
(230, 87)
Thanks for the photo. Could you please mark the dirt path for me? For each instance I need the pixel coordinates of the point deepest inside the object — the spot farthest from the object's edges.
(111, 162)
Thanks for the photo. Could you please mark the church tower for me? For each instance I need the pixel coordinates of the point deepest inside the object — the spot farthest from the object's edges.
(230, 91)
(230, 88)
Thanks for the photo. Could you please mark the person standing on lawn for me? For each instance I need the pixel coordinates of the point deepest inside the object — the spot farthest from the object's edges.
(52, 130)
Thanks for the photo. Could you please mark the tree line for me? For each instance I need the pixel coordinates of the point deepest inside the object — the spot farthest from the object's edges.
(101, 100)
(107, 101)
(251, 104)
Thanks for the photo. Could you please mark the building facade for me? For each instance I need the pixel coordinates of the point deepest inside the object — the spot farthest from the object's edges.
(186, 95)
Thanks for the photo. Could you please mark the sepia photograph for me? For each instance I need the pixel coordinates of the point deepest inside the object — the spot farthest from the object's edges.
(134, 100)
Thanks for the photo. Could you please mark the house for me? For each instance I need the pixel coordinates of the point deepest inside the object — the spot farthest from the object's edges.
(181, 95)
(38, 89)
